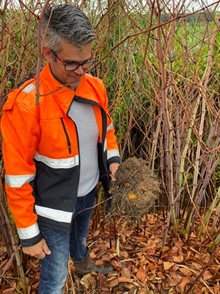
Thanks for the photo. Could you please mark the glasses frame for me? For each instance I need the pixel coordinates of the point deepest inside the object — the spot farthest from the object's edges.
(89, 63)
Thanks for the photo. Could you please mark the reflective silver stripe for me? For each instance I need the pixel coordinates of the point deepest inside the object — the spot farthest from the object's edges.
(18, 181)
(29, 88)
(29, 232)
(105, 145)
(110, 127)
(54, 214)
(58, 163)
(112, 153)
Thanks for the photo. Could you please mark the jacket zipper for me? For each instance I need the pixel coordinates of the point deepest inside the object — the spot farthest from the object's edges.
(67, 136)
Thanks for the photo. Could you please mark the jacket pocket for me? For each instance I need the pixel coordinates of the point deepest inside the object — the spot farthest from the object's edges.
(67, 136)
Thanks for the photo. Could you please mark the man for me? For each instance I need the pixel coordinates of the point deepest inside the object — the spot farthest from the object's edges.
(56, 151)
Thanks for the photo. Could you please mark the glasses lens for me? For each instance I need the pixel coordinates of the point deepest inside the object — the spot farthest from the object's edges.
(87, 64)
(73, 66)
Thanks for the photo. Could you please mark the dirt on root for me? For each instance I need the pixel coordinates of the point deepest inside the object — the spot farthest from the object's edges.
(136, 188)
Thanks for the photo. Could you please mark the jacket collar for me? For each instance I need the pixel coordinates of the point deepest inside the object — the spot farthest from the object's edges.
(63, 94)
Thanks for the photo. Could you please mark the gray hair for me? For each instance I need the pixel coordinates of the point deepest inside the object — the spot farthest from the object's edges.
(66, 22)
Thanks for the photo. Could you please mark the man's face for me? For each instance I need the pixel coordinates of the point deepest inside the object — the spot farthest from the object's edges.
(65, 58)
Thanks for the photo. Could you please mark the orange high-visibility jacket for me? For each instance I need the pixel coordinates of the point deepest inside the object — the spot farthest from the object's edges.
(41, 154)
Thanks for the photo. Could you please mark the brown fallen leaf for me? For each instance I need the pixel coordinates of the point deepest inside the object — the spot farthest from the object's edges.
(10, 290)
(205, 258)
(129, 247)
(141, 275)
(196, 265)
(113, 283)
(133, 290)
(123, 279)
(178, 258)
(124, 254)
(186, 271)
(139, 239)
(88, 281)
(207, 275)
(152, 266)
(96, 233)
(106, 257)
(152, 219)
(7, 266)
(204, 290)
(99, 262)
(116, 265)
(151, 251)
(151, 276)
(125, 272)
(3, 249)
(174, 250)
(92, 255)
(165, 249)
(3, 263)
(112, 276)
(101, 279)
(167, 265)
(35, 286)
(174, 278)
(182, 285)
(142, 291)
(33, 264)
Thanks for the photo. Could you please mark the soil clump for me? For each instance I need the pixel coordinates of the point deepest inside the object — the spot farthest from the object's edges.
(136, 188)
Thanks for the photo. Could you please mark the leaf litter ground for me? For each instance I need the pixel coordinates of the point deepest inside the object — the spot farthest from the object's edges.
(132, 240)
(141, 263)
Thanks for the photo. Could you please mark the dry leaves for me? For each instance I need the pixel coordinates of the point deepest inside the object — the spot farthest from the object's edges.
(141, 264)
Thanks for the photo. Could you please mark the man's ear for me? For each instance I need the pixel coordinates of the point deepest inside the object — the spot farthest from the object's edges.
(46, 52)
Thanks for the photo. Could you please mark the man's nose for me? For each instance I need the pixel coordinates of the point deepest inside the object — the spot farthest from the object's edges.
(79, 71)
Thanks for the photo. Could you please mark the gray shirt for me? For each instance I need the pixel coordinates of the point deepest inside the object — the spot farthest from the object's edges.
(84, 117)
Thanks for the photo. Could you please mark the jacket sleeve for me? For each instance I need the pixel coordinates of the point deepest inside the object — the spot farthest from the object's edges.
(111, 141)
(20, 134)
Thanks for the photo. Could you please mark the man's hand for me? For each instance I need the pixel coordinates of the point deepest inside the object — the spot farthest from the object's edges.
(113, 168)
(38, 250)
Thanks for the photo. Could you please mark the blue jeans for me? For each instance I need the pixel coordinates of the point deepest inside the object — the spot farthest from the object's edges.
(62, 244)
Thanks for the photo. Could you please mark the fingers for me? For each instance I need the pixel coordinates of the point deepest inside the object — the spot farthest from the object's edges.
(113, 169)
(113, 178)
(39, 250)
(40, 255)
(46, 249)
(37, 254)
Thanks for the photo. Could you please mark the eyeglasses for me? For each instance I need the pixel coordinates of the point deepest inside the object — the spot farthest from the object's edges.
(74, 65)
